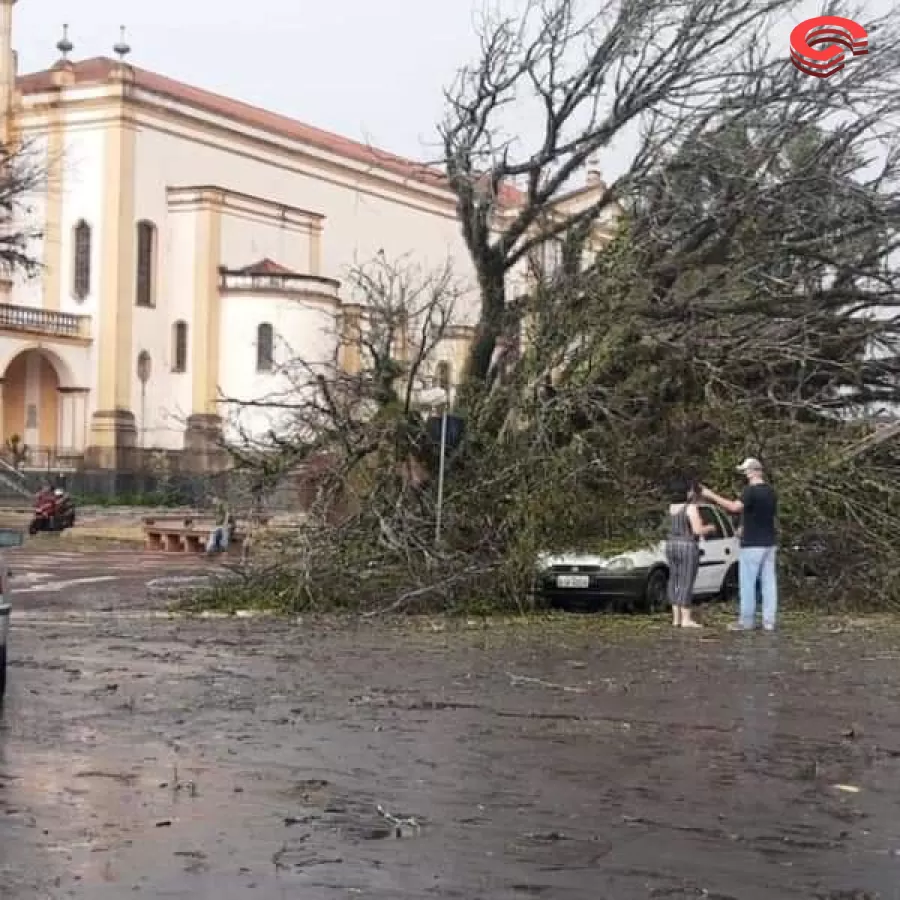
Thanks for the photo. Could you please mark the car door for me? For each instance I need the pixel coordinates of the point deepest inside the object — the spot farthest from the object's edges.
(717, 552)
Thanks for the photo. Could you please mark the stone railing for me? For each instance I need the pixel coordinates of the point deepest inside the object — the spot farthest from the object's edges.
(32, 320)
(268, 282)
(49, 459)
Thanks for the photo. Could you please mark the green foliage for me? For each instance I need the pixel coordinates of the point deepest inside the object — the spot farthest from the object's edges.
(16, 449)
(717, 323)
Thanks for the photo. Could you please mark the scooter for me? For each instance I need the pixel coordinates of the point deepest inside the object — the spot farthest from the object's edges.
(53, 512)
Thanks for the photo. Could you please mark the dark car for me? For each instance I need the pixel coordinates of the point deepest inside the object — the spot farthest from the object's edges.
(9, 537)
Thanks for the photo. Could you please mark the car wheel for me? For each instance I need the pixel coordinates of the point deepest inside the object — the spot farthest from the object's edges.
(730, 585)
(656, 591)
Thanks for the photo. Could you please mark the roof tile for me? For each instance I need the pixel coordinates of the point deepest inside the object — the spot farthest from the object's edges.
(101, 69)
(266, 266)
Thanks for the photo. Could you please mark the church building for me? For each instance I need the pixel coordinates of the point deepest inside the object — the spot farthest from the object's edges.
(186, 236)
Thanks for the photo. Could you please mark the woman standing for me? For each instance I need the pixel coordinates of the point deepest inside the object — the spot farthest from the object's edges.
(683, 554)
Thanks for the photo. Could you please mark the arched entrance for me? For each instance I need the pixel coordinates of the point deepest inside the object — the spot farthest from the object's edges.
(31, 400)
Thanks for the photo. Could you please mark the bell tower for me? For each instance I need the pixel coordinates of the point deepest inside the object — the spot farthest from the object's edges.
(7, 71)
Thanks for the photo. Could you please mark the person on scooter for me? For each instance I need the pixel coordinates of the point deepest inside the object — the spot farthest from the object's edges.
(44, 507)
(65, 508)
(44, 496)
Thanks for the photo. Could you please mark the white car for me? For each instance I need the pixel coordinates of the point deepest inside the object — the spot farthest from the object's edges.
(638, 579)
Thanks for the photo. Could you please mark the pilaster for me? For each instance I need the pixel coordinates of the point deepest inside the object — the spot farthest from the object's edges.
(113, 425)
(351, 332)
(204, 362)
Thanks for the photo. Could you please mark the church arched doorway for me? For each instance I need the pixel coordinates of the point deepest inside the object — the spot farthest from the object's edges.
(31, 401)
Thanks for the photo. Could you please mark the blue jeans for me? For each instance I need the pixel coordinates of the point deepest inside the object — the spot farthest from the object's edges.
(757, 566)
(218, 540)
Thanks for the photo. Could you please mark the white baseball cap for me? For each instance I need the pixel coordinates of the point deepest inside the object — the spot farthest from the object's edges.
(750, 464)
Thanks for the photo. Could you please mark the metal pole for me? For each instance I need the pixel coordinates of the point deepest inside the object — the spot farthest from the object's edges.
(5, 610)
(440, 494)
(143, 414)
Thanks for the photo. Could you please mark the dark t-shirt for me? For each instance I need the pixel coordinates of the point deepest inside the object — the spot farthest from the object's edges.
(758, 521)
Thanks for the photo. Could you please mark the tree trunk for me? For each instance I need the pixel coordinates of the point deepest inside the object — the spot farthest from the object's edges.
(492, 282)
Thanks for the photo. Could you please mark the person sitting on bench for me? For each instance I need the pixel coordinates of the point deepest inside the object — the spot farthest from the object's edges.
(223, 530)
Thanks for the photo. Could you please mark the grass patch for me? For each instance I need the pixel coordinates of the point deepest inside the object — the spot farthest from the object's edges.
(233, 594)
(280, 596)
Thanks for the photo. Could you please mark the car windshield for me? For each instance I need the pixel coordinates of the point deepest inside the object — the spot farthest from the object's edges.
(642, 531)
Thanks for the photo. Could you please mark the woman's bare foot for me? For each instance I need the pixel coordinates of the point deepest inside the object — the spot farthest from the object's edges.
(690, 623)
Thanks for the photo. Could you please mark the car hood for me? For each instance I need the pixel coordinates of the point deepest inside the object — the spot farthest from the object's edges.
(638, 559)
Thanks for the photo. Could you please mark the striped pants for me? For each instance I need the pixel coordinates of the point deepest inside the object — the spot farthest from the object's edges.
(683, 557)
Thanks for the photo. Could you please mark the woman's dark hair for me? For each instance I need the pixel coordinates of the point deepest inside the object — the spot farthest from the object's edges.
(682, 486)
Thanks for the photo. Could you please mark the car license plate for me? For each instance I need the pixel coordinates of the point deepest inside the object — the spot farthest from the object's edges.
(573, 581)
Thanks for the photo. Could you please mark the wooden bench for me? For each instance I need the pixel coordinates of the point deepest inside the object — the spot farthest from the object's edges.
(183, 537)
(196, 521)
(188, 535)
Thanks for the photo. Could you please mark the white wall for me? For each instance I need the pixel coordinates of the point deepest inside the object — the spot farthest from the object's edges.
(245, 241)
(356, 227)
(82, 198)
(168, 394)
(302, 330)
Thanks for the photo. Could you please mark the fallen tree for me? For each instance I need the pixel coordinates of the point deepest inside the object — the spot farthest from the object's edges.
(743, 299)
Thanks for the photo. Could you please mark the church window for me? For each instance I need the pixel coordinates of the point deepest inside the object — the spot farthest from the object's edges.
(145, 287)
(179, 347)
(265, 340)
(81, 276)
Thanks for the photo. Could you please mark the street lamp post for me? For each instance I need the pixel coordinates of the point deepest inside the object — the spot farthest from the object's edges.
(438, 396)
(443, 460)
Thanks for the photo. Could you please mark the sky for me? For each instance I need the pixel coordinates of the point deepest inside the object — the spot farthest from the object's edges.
(370, 71)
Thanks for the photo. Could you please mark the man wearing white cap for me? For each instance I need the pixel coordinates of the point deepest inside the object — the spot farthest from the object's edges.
(759, 507)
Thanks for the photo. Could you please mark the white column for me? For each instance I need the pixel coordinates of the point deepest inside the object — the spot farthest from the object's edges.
(32, 435)
(7, 69)
(74, 422)
(84, 424)
(66, 434)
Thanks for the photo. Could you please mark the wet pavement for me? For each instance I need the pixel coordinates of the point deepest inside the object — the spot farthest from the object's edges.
(574, 758)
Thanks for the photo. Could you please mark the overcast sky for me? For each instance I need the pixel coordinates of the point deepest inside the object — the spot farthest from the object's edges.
(371, 71)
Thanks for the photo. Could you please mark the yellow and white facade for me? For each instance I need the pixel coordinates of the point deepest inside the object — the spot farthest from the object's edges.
(186, 237)
(182, 230)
